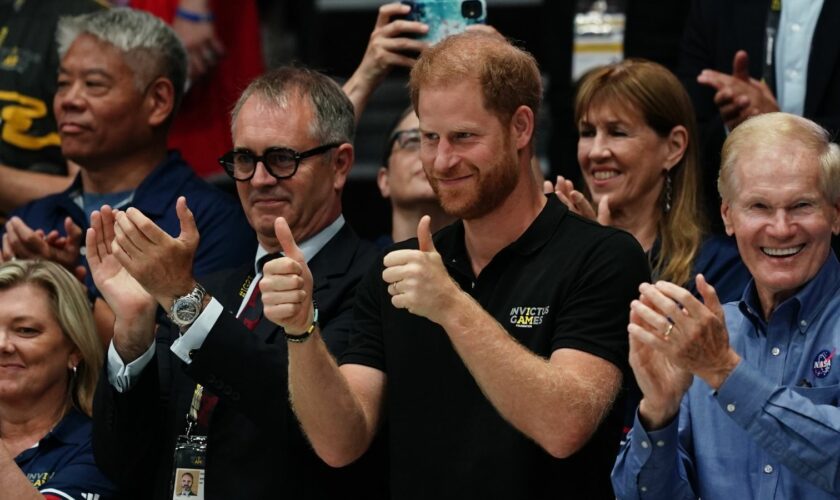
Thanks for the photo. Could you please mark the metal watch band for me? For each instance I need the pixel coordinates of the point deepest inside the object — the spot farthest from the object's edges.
(194, 298)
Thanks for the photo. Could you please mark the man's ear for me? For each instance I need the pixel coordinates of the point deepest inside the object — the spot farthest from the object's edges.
(726, 215)
(160, 100)
(342, 160)
(835, 213)
(676, 146)
(382, 182)
(522, 126)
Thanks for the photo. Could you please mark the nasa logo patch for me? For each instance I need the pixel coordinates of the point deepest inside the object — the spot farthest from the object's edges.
(822, 363)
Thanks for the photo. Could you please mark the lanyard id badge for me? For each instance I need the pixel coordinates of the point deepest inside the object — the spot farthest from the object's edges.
(188, 474)
(771, 29)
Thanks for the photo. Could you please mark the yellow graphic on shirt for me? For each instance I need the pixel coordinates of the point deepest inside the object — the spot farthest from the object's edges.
(17, 119)
(528, 316)
(38, 479)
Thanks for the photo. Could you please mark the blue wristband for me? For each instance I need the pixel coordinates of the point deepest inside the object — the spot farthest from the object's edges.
(195, 17)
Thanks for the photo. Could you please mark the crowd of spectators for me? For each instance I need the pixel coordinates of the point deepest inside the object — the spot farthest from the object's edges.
(630, 331)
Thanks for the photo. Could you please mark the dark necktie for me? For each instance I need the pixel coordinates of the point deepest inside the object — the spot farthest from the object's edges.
(250, 317)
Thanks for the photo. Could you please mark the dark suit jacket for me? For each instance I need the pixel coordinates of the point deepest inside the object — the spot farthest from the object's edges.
(255, 446)
(715, 30)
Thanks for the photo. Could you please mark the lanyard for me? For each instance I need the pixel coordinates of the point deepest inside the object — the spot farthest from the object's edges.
(198, 393)
(192, 414)
(768, 70)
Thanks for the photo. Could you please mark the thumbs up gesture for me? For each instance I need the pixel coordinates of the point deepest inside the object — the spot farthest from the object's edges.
(286, 285)
(417, 279)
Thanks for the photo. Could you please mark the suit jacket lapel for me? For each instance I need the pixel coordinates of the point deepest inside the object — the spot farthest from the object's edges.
(231, 292)
(825, 52)
(334, 259)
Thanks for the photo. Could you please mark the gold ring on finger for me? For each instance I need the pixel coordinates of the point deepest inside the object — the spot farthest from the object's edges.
(668, 330)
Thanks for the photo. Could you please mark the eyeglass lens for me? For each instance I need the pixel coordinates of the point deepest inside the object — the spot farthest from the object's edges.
(281, 163)
(409, 139)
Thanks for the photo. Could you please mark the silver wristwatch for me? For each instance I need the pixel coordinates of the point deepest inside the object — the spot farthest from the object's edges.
(185, 309)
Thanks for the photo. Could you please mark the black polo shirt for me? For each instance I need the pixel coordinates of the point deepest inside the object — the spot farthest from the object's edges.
(567, 282)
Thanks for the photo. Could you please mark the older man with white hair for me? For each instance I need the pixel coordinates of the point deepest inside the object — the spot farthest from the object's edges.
(741, 400)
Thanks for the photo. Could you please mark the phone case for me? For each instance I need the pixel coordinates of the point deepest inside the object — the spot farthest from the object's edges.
(446, 17)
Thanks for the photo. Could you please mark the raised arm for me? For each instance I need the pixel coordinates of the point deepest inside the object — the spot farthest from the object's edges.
(133, 308)
(19, 187)
(557, 402)
(390, 46)
(339, 409)
(800, 429)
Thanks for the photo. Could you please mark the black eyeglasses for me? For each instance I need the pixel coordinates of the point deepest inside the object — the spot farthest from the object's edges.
(280, 163)
(408, 140)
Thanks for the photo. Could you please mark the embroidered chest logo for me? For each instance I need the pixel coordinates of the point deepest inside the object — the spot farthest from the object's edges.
(822, 363)
(39, 478)
(527, 316)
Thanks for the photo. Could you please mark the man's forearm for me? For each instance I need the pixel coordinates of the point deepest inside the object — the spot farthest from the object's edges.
(339, 423)
(14, 483)
(558, 403)
(19, 187)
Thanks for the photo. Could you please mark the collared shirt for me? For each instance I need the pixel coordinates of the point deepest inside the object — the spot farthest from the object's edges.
(797, 23)
(61, 465)
(227, 239)
(772, 430)
(565, 283)
(123, 376)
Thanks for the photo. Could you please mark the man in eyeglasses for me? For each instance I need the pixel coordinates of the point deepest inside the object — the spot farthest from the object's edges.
(220, 370)
(401, 179)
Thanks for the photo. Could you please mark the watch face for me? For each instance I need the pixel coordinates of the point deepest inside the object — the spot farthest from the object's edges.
(185, 310)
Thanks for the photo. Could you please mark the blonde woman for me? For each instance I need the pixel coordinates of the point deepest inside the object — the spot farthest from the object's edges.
(50, 359)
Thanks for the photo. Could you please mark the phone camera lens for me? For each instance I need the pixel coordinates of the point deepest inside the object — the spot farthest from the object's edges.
(471, 9)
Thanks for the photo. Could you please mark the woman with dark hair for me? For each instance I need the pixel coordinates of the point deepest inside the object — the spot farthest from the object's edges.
(638, 155)
(50, 358)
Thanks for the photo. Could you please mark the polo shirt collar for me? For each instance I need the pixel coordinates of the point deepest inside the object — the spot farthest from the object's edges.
(161, 187)
(806, 304)
(453, 245)
(155, 193)
(542, 229)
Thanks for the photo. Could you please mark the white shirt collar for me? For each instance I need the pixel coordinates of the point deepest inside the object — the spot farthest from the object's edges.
(311, 246)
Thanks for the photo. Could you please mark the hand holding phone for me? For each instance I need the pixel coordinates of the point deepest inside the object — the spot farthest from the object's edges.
(446, 17)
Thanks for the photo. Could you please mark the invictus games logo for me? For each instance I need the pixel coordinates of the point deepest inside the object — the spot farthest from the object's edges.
(527, 317)
(822, 363)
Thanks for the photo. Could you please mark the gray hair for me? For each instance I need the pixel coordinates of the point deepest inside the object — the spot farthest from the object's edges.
(334, 115)
(150, 47)
(781, 128)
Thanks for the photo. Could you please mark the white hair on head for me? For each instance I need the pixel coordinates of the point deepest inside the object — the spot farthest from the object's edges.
(781, 128)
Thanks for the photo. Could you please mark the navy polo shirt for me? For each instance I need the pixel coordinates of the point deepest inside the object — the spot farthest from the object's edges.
(61, 466)
(227, 239)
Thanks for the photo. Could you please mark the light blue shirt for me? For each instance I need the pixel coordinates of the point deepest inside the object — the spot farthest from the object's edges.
(797, 23)
(772, 430)
(122, 377)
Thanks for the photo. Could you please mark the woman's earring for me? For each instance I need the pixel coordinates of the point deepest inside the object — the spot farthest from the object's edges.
(667, 192)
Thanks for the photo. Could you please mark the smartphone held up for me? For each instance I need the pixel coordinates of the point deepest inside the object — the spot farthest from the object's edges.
(446, 17)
